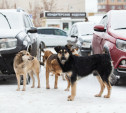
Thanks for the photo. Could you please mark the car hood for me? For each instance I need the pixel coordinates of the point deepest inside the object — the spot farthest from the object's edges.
(87, 38)
(8, 33)
(119, 34)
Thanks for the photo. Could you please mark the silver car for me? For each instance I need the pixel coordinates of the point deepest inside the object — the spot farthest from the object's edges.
(81, 34)
(51, 36)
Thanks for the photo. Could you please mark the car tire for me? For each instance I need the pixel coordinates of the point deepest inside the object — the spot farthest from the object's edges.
(114, 80)
(27, 80)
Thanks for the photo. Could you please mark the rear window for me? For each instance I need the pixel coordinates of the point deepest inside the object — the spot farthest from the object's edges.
(46, 31)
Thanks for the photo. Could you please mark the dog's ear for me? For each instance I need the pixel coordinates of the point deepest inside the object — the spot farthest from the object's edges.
(42, 50)
(68, 47)
(57, 48)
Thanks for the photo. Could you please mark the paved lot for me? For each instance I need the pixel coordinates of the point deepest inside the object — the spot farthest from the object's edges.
(55, 100)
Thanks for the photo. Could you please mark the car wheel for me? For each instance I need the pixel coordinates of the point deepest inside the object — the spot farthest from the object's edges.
(114, 80)
(27, 80)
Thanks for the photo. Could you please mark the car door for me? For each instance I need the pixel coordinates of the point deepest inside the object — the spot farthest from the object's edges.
(72, 35)
(33, 36)
(60, 37)
(99, 37)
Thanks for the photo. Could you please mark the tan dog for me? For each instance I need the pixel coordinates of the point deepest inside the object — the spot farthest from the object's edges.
(24, 63)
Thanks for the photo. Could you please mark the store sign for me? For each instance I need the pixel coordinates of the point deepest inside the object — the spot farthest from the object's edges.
(65, 14)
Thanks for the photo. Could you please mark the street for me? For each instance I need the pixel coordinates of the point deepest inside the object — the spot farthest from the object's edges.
(43, 100)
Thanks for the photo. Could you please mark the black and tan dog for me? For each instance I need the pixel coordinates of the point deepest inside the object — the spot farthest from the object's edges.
(52, 66)
(82, 66)
(24, 63)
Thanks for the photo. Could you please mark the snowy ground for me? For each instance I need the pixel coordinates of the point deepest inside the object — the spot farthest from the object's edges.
(55, 100)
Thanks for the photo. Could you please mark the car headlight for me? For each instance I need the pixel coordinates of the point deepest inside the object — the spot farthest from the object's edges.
(86, 44)
(6, 44)
(121, 44)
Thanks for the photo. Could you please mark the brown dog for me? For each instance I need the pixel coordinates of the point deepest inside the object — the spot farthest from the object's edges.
(51, 66)
(24, 63)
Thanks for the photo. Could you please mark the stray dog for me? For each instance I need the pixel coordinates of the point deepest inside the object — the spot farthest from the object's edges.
(82, 66)
(53, 66)
(24, 63)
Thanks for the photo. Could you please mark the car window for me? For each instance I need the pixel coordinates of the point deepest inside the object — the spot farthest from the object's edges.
(75, 30)
(104, 21)
(72, 31)
(46, 31)
(3, 22)
(14, 20)
(29, 20)
(26, 22)
(59, 32)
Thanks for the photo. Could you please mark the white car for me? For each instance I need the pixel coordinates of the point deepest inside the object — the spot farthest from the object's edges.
(81, 34)
(51, 36)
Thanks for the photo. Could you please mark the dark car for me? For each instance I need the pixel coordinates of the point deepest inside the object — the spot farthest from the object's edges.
(17, 33)
(110, 38)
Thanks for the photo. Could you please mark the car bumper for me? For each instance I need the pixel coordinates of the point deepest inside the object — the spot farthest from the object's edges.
(6, 60)
(85, 50)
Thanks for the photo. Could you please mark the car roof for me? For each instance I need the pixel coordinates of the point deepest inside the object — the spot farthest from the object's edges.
(20, 11)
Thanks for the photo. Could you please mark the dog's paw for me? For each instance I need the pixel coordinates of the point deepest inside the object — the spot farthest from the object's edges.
(38, 87)
(32, 86)
(66, 89)
(18, 89)
(70, 98)
(55, 87)
(47, 87)
(23, 89)
(106, 96)
(97, 95)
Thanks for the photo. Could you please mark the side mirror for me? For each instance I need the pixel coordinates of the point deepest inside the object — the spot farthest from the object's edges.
(99, 28)
(74, 36)
(32, 30)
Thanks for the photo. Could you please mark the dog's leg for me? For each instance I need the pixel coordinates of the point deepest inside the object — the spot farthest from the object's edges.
(24, 82)
(37, 74)
(68, 82)
(109, 89)
(62, 74)
(56, 81)
(18, 81)
(47, 78)
(102, 86)
(33, 79)
(73, 92)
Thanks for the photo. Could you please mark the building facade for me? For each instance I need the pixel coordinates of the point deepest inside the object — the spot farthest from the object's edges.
(107, 5)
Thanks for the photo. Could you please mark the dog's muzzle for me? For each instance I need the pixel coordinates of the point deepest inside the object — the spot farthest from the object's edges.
(63, 60)
(31, 58)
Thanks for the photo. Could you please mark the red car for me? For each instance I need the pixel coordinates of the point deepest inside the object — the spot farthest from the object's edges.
(110, 37)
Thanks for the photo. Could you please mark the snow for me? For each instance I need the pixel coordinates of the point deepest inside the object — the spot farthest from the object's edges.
(42, 100)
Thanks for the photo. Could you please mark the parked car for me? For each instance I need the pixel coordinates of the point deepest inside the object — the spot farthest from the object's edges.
(110, 38)
(17, 33)
(81, 34)
(51, 36)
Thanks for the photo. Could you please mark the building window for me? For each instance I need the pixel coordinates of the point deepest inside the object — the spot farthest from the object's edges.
(112, 0)
(119, 7)
(112, 7)
(124, 6)
(101, 1)
(118, 0)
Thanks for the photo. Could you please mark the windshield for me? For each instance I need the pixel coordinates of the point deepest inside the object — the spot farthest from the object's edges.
(86, 29)
(14, 20)
(118, 20)
(3, 22)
